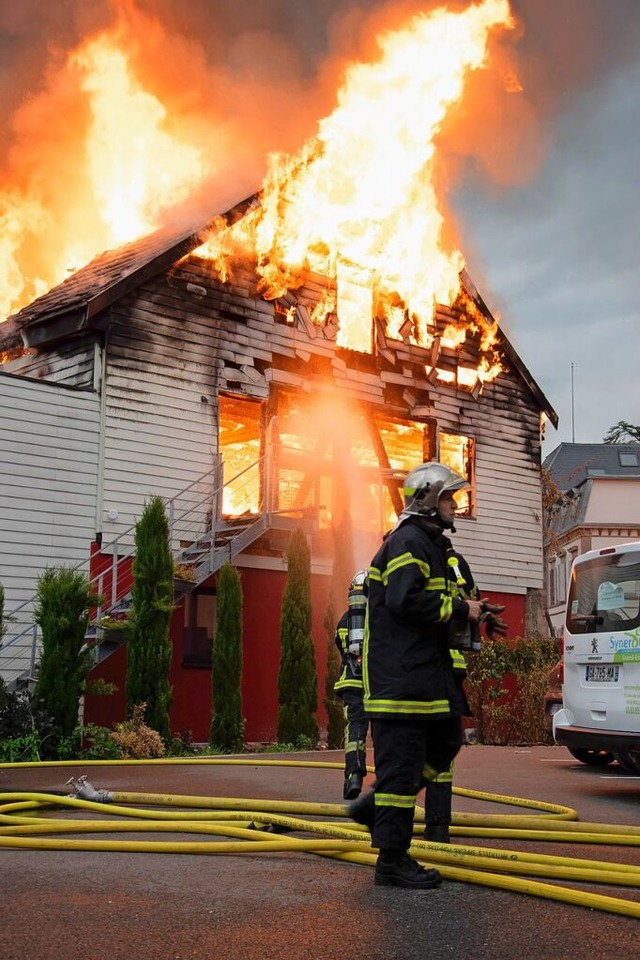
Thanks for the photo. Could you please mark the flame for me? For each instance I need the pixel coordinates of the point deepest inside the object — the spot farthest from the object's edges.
(105, 176)
(360, 201)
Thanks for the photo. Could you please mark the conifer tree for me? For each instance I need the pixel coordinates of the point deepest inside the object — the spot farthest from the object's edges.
(149, 644)
(64, 598)
(297, 679)
(227, 725)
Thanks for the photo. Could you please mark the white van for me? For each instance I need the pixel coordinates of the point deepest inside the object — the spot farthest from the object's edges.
(601, 685)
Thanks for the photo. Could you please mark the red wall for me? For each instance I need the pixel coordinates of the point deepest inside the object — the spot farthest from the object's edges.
(191, 706)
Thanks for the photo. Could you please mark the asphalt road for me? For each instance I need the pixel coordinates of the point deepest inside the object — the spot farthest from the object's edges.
(295, 906)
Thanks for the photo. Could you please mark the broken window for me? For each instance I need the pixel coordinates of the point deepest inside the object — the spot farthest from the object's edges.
(458, 452)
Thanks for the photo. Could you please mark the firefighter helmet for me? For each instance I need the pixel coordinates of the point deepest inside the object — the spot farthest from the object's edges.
(424, 486)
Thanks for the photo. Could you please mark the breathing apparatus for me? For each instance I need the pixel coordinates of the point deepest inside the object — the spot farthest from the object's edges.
(357, 607)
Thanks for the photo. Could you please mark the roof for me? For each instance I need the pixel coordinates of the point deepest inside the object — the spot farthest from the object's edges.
(571, 464)
(76, 303)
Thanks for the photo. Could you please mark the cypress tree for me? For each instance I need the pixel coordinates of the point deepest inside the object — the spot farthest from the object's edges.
(64, 598)
(227, 725)
(149, 644)
(297, 678)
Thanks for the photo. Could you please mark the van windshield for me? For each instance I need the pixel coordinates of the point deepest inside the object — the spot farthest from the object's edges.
(605, 594)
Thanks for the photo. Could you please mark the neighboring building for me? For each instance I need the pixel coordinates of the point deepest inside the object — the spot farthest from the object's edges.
(599, 506)
(249, 420)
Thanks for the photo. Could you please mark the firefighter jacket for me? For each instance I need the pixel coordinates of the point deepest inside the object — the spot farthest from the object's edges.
(417, 586)
(351, 673)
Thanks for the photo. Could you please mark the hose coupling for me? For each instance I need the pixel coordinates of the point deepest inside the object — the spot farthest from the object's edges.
(85, 790)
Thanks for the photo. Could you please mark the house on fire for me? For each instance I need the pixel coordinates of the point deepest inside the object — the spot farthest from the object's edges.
(146, 373)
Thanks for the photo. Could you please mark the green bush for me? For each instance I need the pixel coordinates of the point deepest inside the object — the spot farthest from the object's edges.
(511, 712)
(297, 677)
(63, 600)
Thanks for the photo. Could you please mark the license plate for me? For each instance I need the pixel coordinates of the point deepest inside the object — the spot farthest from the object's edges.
(603, 672)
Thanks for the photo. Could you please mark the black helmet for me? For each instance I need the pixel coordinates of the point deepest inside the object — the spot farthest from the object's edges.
(424, 486)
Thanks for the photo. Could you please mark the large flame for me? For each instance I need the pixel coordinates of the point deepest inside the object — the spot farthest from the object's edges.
(125, 165)
(360, 201)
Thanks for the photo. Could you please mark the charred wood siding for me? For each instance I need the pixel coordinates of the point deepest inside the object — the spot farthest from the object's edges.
(185, 337)
(71, 364)
(49, 439)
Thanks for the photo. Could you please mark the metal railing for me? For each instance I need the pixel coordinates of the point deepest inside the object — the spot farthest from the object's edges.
(188, 512)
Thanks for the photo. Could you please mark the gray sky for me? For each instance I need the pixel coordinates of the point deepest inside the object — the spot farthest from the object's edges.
(559, 259)
(553, 247)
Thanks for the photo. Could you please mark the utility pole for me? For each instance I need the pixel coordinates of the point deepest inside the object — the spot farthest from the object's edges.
(573, 409)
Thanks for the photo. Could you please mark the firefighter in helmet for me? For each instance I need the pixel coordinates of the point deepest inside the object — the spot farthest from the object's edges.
(422, 601)
(348, 638)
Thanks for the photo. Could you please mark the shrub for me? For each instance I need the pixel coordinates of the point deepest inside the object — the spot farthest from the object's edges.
(506, 683)
(135, 739)
(63, 601)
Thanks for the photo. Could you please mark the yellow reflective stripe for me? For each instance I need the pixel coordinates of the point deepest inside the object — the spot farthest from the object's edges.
(446, 608)
(431, 775)
(394, 800)
(405, 560)
(343, 684)
(459, 662)
(406, 706)
(436, 583)
(374, 574)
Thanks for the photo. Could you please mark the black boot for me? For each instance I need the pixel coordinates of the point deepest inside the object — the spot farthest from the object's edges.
(400, 870)
(437, 808)
(352, 785)
(437, 832)
(363, 810)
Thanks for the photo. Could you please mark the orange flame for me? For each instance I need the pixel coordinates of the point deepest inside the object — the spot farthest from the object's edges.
(107, 178)
(359, 202)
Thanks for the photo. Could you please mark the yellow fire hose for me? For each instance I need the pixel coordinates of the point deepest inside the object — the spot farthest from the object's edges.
(25, 825)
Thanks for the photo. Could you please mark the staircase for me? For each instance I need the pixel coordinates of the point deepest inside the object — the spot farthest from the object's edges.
(202, 540)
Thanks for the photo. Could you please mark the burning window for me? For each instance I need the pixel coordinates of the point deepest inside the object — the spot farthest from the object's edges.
(458, 452)
(240, 446)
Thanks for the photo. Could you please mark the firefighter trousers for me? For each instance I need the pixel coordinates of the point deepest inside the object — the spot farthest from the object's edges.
(407, 751)
(356, 727)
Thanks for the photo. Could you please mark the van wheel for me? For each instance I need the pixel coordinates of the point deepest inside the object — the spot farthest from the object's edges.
(593, 758)
(629, 760)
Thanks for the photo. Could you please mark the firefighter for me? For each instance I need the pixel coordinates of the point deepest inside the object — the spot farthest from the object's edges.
(421, 602)
(348, 638)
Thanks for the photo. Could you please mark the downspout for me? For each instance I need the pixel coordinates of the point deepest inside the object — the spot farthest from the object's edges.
(100, 386)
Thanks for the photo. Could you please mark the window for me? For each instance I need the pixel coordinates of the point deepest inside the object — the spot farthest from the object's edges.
(605, 595)
(458, 452)
(199, 627)
(628, 459)
(240, 446)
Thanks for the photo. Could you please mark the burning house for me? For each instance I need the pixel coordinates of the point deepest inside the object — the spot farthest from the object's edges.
(282, 366)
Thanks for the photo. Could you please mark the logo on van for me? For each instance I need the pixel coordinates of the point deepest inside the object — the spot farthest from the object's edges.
(594, 645)
(626, 647)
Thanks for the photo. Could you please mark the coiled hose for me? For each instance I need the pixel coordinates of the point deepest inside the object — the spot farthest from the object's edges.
(256, 826)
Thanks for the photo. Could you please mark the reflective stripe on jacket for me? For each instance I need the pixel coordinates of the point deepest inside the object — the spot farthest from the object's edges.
(413, 597)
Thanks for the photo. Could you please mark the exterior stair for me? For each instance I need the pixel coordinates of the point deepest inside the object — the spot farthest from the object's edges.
(196, 554)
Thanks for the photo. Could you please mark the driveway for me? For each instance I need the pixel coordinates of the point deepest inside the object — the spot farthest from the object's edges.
(63, 905)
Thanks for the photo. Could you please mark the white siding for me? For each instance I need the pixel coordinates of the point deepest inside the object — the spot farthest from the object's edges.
(49, 439)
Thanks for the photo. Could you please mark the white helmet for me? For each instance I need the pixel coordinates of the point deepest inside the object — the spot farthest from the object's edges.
(424, 486)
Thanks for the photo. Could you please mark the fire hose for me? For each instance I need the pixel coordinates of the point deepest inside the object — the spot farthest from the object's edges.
(254, 826)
